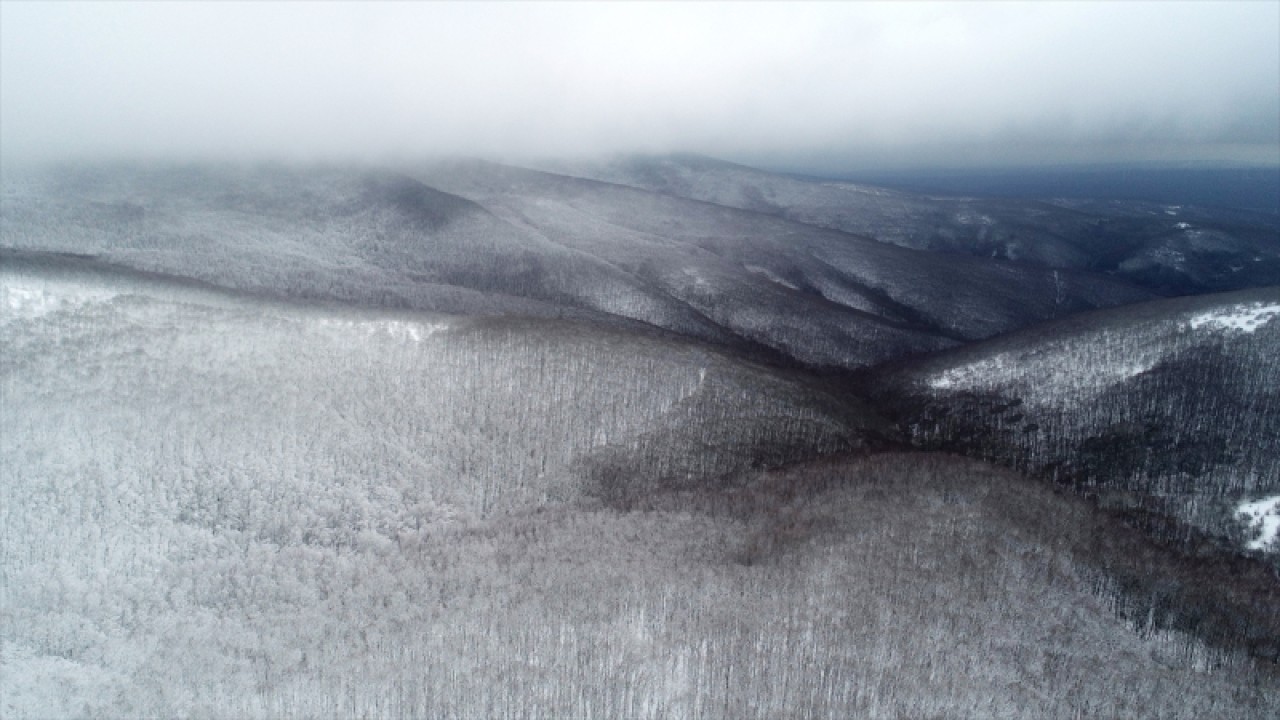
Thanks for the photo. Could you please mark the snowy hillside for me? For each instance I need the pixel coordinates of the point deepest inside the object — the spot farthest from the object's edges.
(465, 415)
(1176, 401)
(348, 234)
(484, 239)
(828, 591)
(470, 440)
(1168, 248)
(825, 297)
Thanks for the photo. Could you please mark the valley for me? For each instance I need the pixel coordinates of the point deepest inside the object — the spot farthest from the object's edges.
(650, 437)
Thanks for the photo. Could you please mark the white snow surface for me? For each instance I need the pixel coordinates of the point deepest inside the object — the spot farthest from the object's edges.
(1263, 517)
(30, 299)
(770, 275)
(1052, 380)
(1246, 318)
(1109, 358)
(399, 329)
(968, 375)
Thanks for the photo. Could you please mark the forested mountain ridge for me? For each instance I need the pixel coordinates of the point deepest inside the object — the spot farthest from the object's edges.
(794, 284)
(509, 407)
(470, 440)
(356, 235)
(500, 240)
(894, 584)
(1170, 407)
(1170, 249)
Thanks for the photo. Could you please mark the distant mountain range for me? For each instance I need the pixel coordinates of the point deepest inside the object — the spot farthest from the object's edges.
(645, 437)
(1166, 248)
(495, 240)
(1255, 191)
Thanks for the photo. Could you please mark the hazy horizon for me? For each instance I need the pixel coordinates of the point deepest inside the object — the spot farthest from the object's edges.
(442, 360)
(818, 87)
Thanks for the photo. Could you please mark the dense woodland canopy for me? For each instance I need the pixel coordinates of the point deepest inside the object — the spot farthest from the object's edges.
(663, 437)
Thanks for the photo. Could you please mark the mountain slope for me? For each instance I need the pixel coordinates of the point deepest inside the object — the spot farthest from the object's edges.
(468, 414)
(1169, 249)
(350, 234)
(825, 297)
(220, 504)
(482, 239)
(1170, 407)
(890, 587)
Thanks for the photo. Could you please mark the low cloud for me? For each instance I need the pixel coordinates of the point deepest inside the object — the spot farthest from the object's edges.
(825, 84)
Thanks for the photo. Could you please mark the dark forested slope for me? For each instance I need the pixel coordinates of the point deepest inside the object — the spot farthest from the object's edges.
(894, 586)
(1174, 249)
(822, 296)
(523, 243)
(1171, 407)
(460, 412)
(253, 469)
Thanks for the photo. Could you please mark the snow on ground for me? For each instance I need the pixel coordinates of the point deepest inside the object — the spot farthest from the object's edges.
(28, 300)
(968, 217)
(1263, 517)
(700, 282)
(42, 686)
(968, 375)
(770, 275)
(1052, 381)
(1246, 318)
(398, 329)
(863, 189)
(1169, 258)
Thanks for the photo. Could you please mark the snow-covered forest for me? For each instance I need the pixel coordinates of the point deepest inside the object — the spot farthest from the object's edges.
(642, 360)
(1170, 407)
(482, 441)
(899, 584)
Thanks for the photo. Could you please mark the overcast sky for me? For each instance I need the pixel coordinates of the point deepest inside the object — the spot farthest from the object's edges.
(837, 85)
